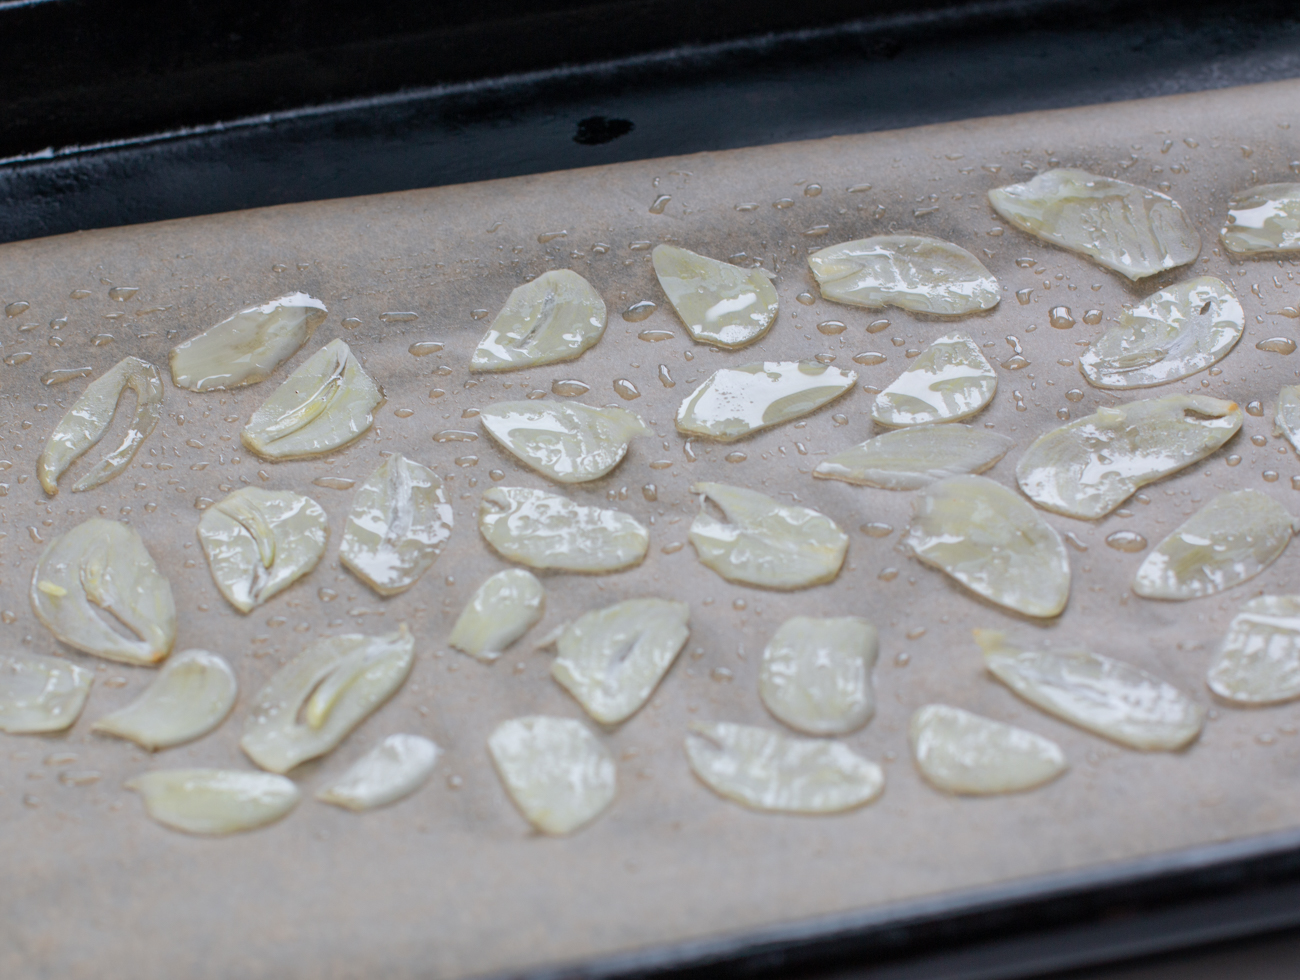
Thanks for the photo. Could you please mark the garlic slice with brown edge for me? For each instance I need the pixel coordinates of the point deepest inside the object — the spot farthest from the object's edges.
(191, 696)
(40, 694)
(735, 402)
(1286, 422)
(718, 303)
(555, 317)
(1259, 660)
(569, 442)
(948, 381)
(556, 771)
(960, 752)
(1263, 220)
(816, 674)
(500, 611)
(391, 771)
(545, 530)
(912, 272)
(214, 802)
(915, 457)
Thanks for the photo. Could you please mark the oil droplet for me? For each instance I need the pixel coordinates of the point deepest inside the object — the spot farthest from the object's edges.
(1270, 476)
(351, 322)
(550, 236)
(1074, 541)
(535, 394)
(79, 294)
(688, 450)
(436, 393)
(101, 339)
(478, 314)
(1277, 345)
(747, 207)
(869, 357)
(466, 461)
(22, 357)
(1255, 408)
(877, 529)
(824, 358)
(665, 378)
(79, 777)
(659, 203)
(1074, 395)
(736, 457)
(1129, 541)
(898, 341)
(812, 190)
(470, 413)
(59, 375)
(334, 482)
(1015, 363)
(1233, 460)
(403, 413)
(840, 419)
(722, 675)
(1259, 440)
(739, 605)
(639, 311)
(888, 574)
(123, 293)
(783, 203)
(915, 633)
(19, 308)
(661, 464)
(875, 326)
(1063, 414)
(1060, 318)
(654, 336)
(1020, 401)
(806, 298)
(1024, 296)
(1295, 483)
(859, 188)
(902, 659)
(423, 348)
(640, 246)
(626, 390)
(569, 389)
(672, 548)
(399, 316)
(831, 327)
(455, 435)
(1092, 317)
(650, 492)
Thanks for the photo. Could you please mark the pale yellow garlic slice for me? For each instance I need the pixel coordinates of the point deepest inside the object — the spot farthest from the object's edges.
(191, 696)
(545, 530)
(315, 700)
(948, 381)
(246, 348)
(1287, 420)
(391, 771)
(1259, 660)
(97, 574)
(1089, 467)
(40, 694)
(555, 317)
(1264, 220)
(915, 457)
(1134, 231)
(960, 752)
(89, 418)
(816, 674)
(719, 303)
(765, 770)
(556, 771)
(912, 272)
(500, 611)
(734, 402)
(214, 802)
(568, 442)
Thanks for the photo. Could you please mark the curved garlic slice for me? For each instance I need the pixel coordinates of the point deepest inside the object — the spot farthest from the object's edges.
(315, 700)
(760, 541)
(246, 348)
(909, 459)
(1134, 231)
(1263, 220)
(89, 417)
(545, 530)
(1287, 420)
(568, 442)
(765, 770)
(1089, 467)
(327, 402)
(40, 694)
(912, 272)
(992, 542)
(214, 801)
(734, 402)
(391, 771)
(612, 659)
(960, 752)
(948, 381)
(259, 542)
(556, 771)
(1108, 697)
(555, 317)
(500, 611)
(1259, 661)
(104, 564)
(191, 696)
(719, 303)
(816, 674)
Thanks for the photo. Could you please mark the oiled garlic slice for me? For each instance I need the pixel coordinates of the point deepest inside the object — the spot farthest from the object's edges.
(391, 771)
(765, 770)
(993, 542)
(399, 523)
(948, 381)
(100, 573)
(214, 801)
(191, 696)
(719, 303)
(816, 674)
(327, 402)
(1089, 467)
(1108, 697)
(912, 272)
(759, 541)
(911, 458)
(40, 694)
(89, 417)
(555, 317)
(1259, 661)
(556, 771)
(960, 752)
(545, 530)
(612, 659)
(500, 611)
(315, 700)
(1264, 219)
(1287, 420)
(259, 542)
(247, 347)
(733, 402)
(1134, 231)
(1228, 541)
(568, 442)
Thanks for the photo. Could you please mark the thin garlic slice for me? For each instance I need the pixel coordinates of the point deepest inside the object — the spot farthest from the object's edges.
(612, 659)
(1287, 420)
(500, 611)
(327, 402)
(555, 317)
(545, 530)
(734, 402)
(214, 802)
(816, 674)
(948, 381)
(912, 272)
(1108, 697)
(247, 347)
(1259, 661)
(315, 700)
(391, 771)
(556, 771)
(191, 696)
(759, 541)
(911, 458)
(97, 574)
(719, 303)
(765, 770)
(89, 418)
(1089, 467)
(569, 442)
(993, 542)
(1134, 231)
(259, 542)
(40, 694)
(960, 752)
(1264, 220)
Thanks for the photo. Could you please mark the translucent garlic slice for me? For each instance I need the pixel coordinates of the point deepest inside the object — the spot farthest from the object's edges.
(960, 752)
(1287, 420)
(568, 442)
(214, 801)
(1108, 697)
(191, 696)
(555, 770)
(40, 694)
(719, 303)
(247, 347)
(259, 542)
(1263, 220)
(1089, 467)
(555, 317)
(89, 418)
(101, 569)
(912, 272)
(993, 542)
(545, 530)
(948, 381)
(911, 458)
(765, 770)
(327, 402)
(315, 700)
(734, 402)
(1134, 231)
(816, 674)
(500, 611)
(759, 541)
(391, 771)
(1259, 661)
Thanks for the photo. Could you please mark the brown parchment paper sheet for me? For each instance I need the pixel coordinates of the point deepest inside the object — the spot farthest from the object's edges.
(451, 882)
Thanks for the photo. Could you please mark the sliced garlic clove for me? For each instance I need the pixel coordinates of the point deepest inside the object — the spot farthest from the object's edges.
(948, 381)
(40, 694)
(545, 530)
(960, 752)
(1259, 661)
(500, 611)
(569, 442)
(912, 272)
(911, 458)
(214, 802)
(734, 402)
(719, 303)
(1287, 420)
(816, 674)
(555, 317)
(391, 771)
(1264, 220)
(191, 696)
(556, 771)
